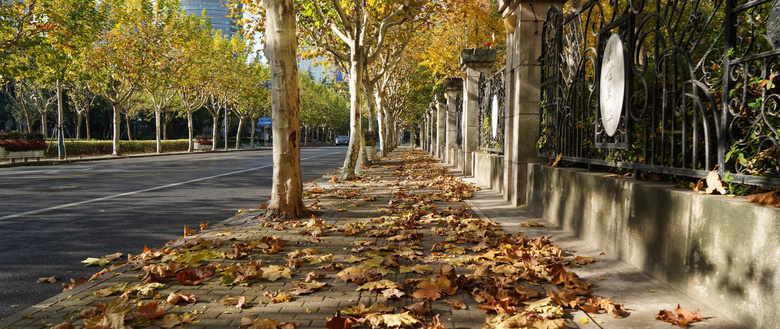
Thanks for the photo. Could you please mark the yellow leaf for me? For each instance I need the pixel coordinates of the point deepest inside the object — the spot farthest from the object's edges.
(599, 278)
(584, 320)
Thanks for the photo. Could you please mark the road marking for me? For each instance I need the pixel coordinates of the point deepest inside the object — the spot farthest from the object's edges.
(33, 212)
(40, 179)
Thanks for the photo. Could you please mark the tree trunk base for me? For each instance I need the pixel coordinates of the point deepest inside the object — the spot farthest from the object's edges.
(278, 213)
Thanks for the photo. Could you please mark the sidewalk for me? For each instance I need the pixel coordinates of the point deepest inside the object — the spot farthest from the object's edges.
(52, 160)
(387, 238)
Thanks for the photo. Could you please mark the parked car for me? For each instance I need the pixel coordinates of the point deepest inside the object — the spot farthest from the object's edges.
(342, 140)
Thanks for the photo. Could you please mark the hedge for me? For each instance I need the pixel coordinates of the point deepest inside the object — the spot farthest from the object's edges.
(77, 148)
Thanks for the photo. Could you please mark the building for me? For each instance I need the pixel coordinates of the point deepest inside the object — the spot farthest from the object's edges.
(215, 11)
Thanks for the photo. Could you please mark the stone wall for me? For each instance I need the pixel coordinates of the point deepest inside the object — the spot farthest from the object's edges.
(719, 250)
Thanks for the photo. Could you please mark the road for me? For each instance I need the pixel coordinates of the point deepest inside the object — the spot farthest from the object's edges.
(53, 217)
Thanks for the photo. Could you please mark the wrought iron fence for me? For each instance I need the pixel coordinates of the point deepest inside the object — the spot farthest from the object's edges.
(491, 112)
(700, 87)
(459, 121)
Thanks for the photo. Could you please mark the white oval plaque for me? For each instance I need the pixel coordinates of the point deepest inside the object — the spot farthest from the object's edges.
(773, 26)
(612, 85)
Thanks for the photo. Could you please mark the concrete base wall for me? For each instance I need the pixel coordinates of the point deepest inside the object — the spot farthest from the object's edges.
(721, 251)
(489, 170)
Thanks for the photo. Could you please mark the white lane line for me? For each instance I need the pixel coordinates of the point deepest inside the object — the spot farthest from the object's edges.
(33, 212)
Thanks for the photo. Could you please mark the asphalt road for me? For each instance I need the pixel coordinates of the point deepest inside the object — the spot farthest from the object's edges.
(53, 217)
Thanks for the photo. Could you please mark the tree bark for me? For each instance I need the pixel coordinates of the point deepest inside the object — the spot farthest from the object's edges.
(86, 116)
(158, 131)
(356, 143)
(214, 131)
(280, 49)
(189, 130)
(79, 118)
(116, 124)
(127, 123)
(238, 133)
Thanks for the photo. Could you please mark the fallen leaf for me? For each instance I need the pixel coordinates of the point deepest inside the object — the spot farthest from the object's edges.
(682, 318)
(420, 308)
(175, 298)
(173, 320)
(456, 304)
(530, 224)
(339, 322)
(276, 272)
(392, 293)
(769, 199)
(73, 284)
(193, 276)
(102, 261)
(150, 311)
(51, 279)
(266, 324)
(435, 323)
(64, 325)
(278, 296)
(239, 302)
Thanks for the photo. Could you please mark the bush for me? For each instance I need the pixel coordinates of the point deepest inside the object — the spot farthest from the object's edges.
(20, 145)
(76, 148)
(18, 142)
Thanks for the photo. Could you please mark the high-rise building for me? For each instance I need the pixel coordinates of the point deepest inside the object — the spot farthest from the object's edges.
(214, 10)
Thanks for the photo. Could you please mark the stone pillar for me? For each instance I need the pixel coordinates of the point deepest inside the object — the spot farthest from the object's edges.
(522, 85)
(453, 87)
(432, 130)
(441, 124)
(472, 62)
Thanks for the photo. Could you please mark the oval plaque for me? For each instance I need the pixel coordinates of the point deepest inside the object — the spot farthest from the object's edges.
(773, 26)
(612, 85)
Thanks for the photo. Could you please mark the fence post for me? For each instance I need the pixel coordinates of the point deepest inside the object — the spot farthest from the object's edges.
(522, 84)
(473, 62)
(453, 87)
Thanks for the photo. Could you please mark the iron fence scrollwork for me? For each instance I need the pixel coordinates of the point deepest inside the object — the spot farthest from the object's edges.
(702, 86)
(491, 112)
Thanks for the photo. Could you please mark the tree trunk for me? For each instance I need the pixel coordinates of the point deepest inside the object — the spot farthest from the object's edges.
(116, 122)
(238, 133)
(382, 131)
(127, 123)
(189, 130)
(356, 143)
(44, 126)
(280, 50)
(215, 132)
(157, 130)
(86, 115)
(79, 118)
(252, 132)
(60, 134)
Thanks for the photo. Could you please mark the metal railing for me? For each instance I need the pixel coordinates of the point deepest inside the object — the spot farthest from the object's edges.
(701, 87)
(491, 112)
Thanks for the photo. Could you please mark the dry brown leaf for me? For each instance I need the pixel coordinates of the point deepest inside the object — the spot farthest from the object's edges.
(51, 279)
(456, 304)
(64, 325)
(266, 324)
(769, 199)
(175, 298)
(420, 308)
(682, 318)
